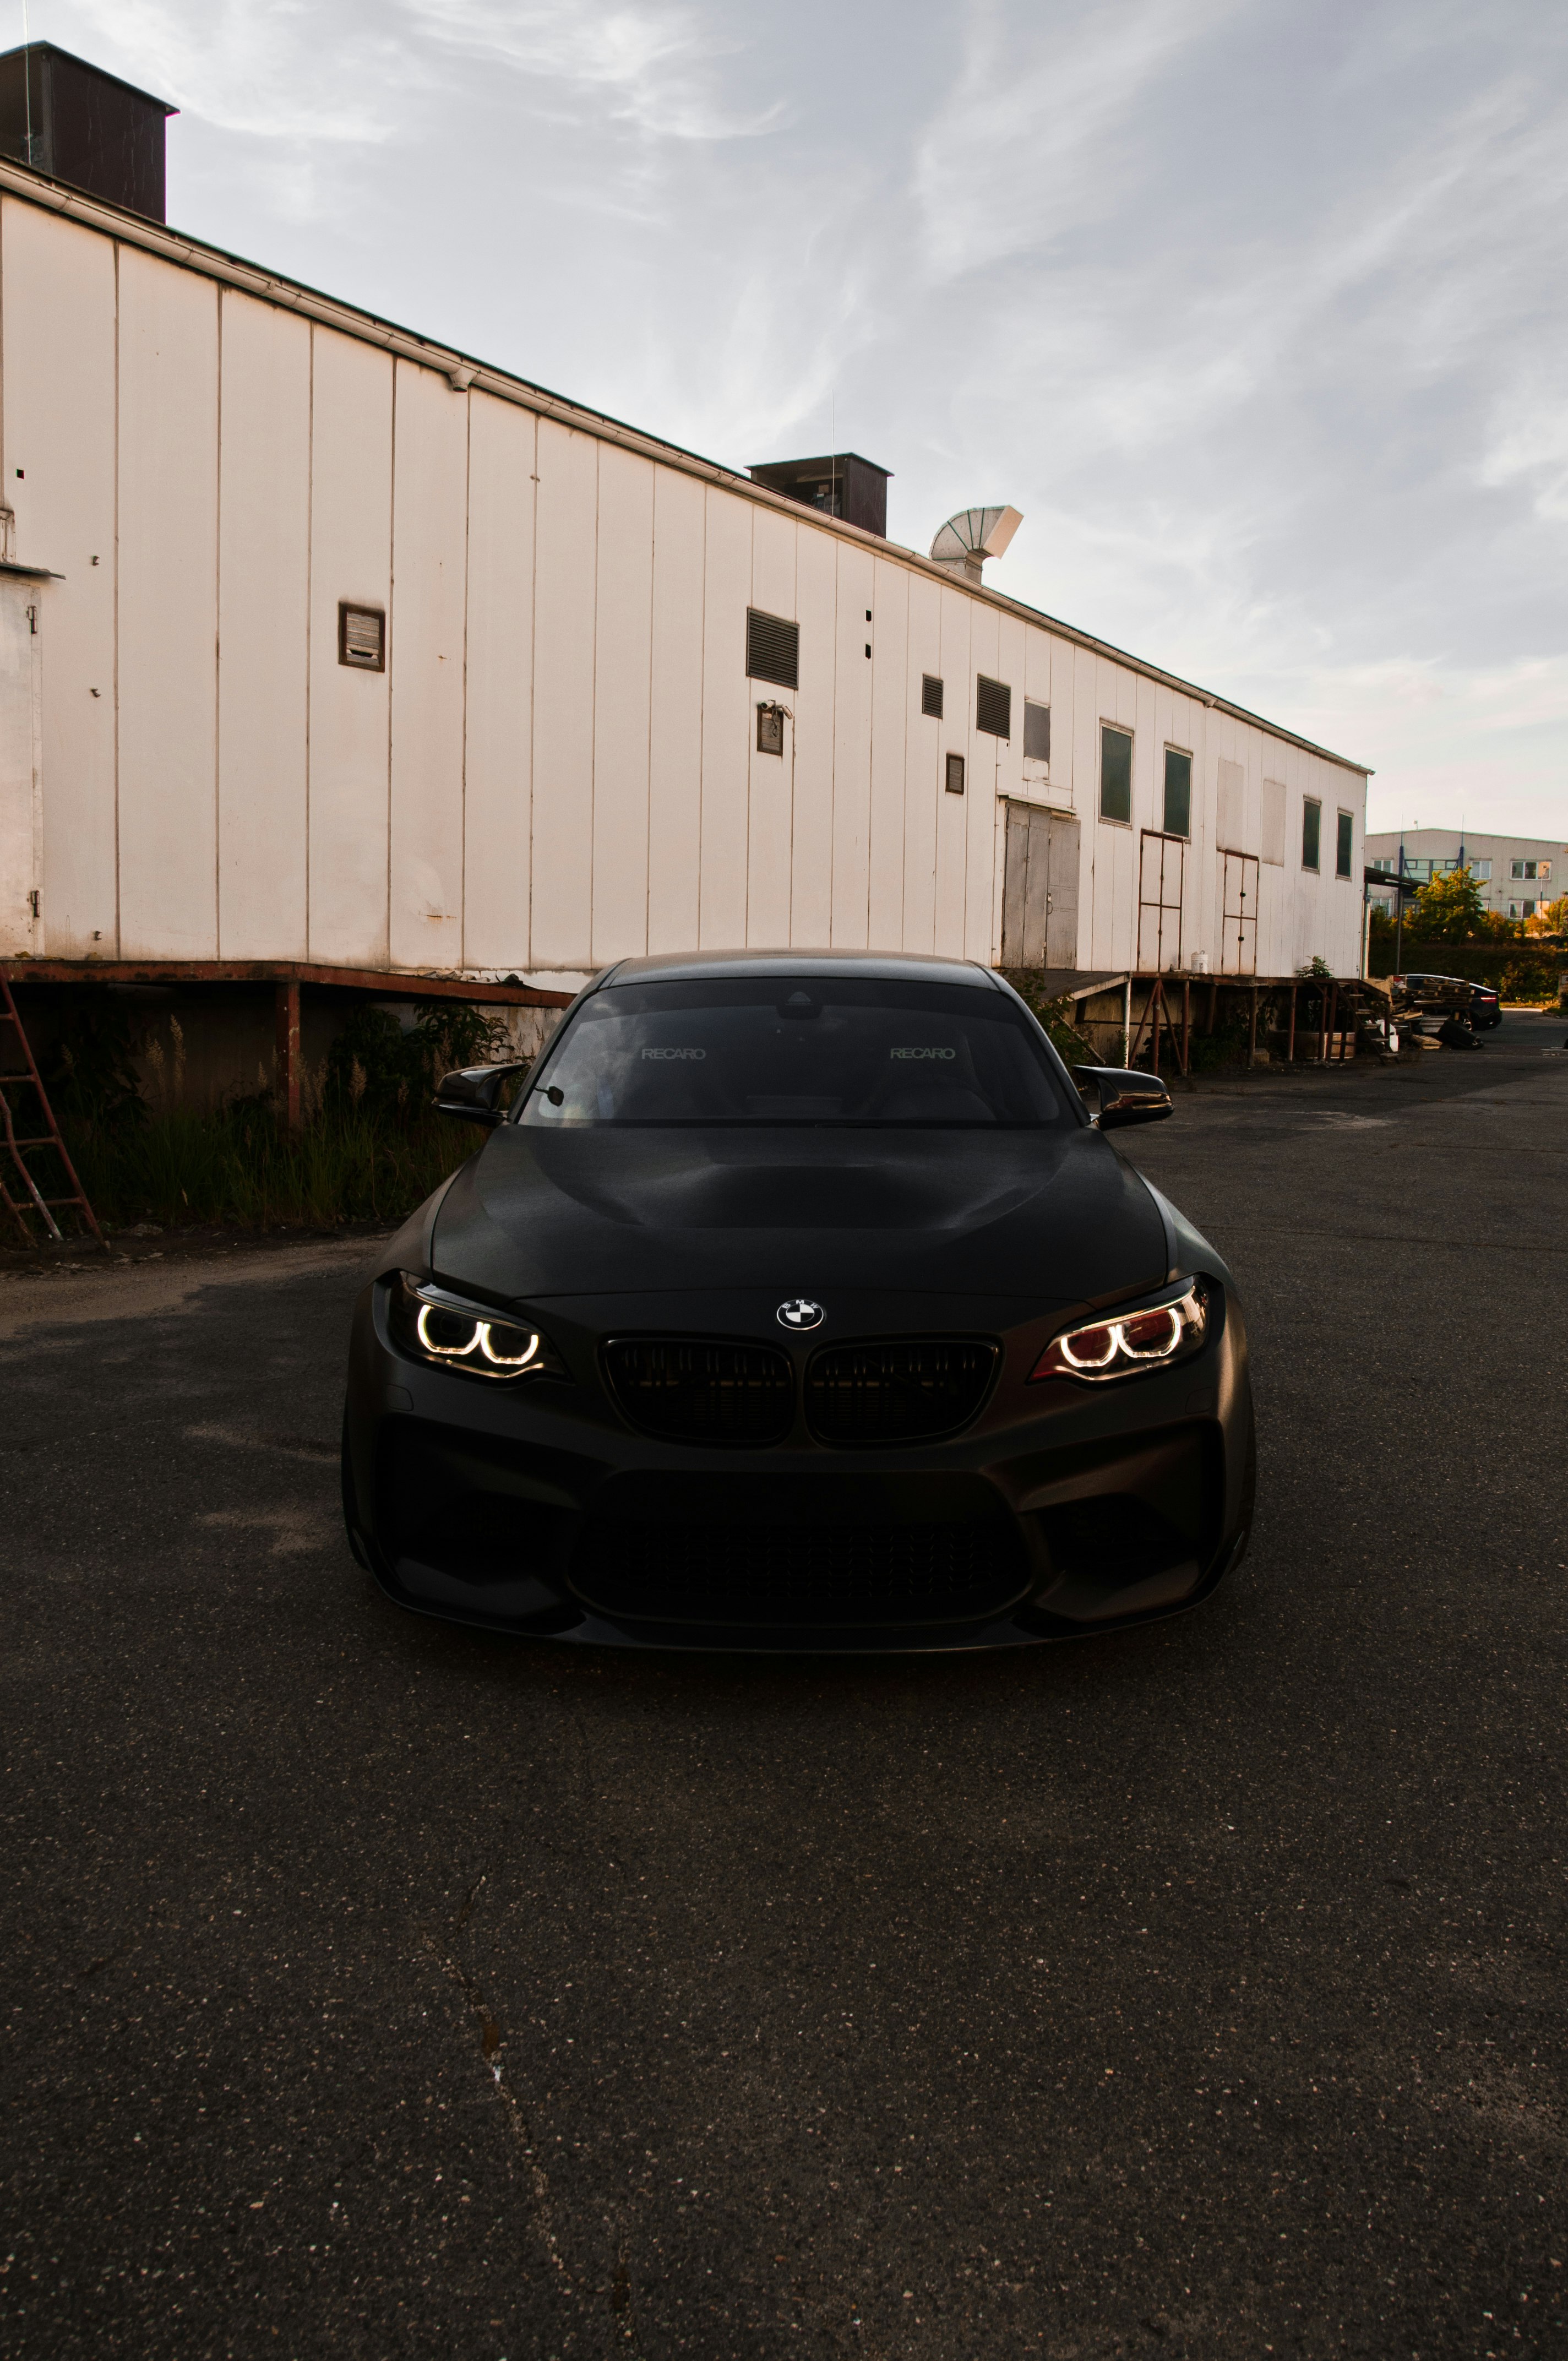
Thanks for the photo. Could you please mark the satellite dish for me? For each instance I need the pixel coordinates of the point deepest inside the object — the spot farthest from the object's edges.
(972, 535)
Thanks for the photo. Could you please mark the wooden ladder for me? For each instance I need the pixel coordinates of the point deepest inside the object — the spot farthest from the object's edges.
(19, 1191)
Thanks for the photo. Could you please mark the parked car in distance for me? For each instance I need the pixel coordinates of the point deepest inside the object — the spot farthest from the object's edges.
(800, 1300)
(1453, 996)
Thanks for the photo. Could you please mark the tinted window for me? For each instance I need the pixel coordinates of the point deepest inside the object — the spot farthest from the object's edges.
(1115, 774)
(1177, 793)
(1311, 829)
(797, 1050)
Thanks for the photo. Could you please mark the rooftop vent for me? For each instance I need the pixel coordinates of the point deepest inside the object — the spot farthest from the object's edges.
(75, 122)
(972, 536)
(843, 485)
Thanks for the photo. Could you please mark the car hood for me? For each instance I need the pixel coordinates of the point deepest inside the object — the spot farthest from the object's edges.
(609, 1211)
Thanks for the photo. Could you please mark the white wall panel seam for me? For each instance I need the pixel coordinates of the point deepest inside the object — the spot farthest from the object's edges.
(467, 401)
(310, 600)
(648, 733)
(389, 656)
(218, 638)
(114, 685)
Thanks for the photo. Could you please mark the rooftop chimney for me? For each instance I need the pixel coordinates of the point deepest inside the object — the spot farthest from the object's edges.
(75, 122)
(972, 536)
(843, 485)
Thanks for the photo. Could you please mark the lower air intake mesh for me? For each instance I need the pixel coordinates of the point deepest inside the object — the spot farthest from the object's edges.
(895, 1392)
(799, 1575)
(695, 1392)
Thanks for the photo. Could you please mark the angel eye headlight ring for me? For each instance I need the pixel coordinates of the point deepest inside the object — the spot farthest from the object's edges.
(1152, 1336)
(431, 1324)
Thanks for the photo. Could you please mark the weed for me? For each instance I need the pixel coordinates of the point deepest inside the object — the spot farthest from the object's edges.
(242, 1169)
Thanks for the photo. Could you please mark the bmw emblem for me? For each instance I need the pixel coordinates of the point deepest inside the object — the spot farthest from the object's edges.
(800, 1313)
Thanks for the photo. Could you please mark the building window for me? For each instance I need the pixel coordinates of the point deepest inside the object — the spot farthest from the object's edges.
(769, 728)
(955, 774)
(1344, 843)
(1312, 832)
(361, 637)
(1521, 869)
(1036, 732)
(1177, 793)
(1115, 773)
(992, 707)
(931, 696)
(773, 649)
(1521, 909)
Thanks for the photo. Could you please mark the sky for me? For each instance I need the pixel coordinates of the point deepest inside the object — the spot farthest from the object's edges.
(1255, 308)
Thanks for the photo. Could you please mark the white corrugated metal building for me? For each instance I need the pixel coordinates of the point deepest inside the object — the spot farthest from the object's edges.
(542, 751)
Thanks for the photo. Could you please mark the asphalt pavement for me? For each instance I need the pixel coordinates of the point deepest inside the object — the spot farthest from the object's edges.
(376, 1988)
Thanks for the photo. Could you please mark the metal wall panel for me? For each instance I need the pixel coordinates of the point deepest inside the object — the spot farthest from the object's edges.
(894, 713)
(852, 753)
(726, 711)
(811, 848)
(264, 543)
(770, 802)
(21, 801)
(59, 429)
(952, 811)
(622, 689)
(984, 812)
(923, 791)
(498, 734)
(168, 519)
(674, 757)
(351, 558)
(425, 660)
(565, 587)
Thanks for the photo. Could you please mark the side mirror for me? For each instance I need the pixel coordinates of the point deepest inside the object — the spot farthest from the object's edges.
(1125, 1096)
(473, 1092)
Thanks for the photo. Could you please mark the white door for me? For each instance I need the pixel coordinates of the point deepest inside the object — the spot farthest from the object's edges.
(20, 783)
(1039, 889)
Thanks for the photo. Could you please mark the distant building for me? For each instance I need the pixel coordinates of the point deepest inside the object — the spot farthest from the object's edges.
(1517, 874)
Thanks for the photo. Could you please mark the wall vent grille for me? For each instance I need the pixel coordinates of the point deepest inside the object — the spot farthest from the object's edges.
(773, 649)
(992, 707)
(362, 637)
(931, 696)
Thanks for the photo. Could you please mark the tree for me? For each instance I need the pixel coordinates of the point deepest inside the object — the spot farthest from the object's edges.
(1551, 918)
(1449, 910)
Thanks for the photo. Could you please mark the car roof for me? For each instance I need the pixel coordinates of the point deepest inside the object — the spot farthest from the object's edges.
(885, 967)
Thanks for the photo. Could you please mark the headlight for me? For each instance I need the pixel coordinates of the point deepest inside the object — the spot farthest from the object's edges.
(431, 1324)
(1149, 1338)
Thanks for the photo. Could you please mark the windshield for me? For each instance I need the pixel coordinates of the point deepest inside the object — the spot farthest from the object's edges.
(761, 1049)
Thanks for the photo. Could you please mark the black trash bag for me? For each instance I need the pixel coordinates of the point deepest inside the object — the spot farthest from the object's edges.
(1454, 1035)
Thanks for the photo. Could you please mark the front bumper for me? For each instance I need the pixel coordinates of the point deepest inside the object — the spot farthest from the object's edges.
(1059, 1509)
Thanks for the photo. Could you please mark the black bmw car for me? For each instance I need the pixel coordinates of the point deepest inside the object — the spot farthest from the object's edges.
(799, 1300)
